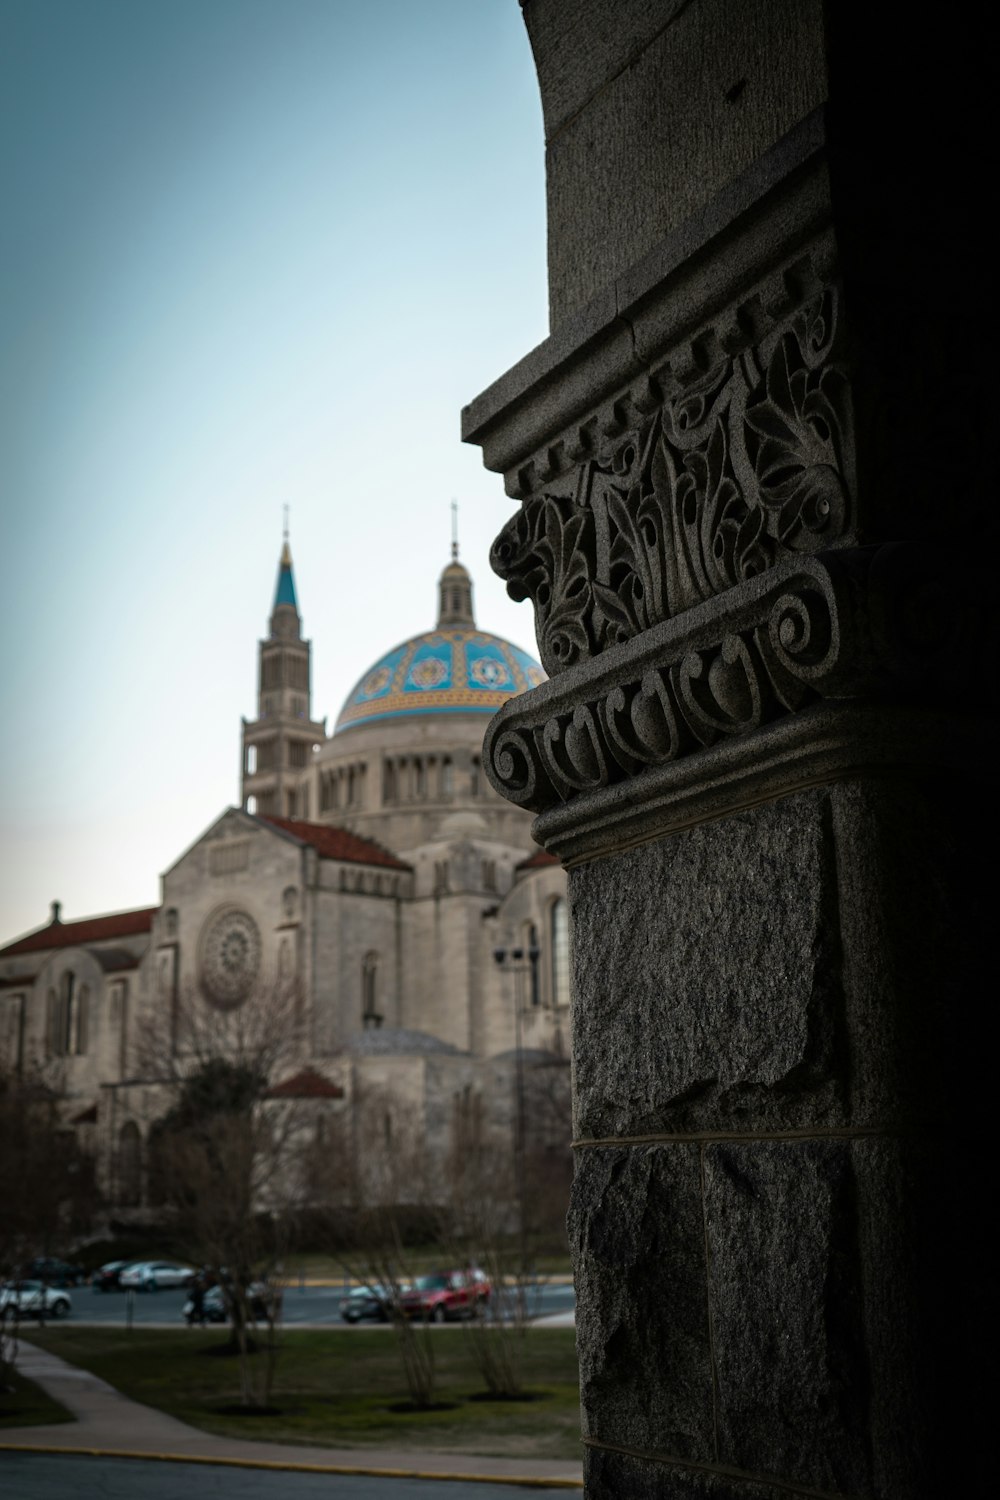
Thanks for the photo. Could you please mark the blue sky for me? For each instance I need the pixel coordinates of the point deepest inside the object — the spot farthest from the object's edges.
(253, 252)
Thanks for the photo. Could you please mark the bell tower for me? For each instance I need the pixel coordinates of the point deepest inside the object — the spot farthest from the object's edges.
(277, 745)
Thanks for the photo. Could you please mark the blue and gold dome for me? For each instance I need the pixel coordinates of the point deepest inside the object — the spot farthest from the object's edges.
(453, 669)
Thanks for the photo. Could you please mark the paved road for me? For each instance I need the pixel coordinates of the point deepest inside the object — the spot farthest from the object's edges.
(45, 1476)
(311, 1305)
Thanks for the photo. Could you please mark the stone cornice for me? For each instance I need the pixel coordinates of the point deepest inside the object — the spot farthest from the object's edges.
(534, 417)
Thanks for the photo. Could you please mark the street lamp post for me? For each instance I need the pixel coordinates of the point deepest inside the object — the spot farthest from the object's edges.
(512, 961)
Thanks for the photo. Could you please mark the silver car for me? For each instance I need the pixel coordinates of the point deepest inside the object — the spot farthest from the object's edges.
(33, 1299)
(151, 1275)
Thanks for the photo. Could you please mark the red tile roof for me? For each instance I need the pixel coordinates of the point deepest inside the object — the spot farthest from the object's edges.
(306, 1085)
(337, 843)
(88, 930)
(540, 860)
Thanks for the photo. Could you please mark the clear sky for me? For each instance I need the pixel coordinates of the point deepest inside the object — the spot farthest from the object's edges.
(251, 252)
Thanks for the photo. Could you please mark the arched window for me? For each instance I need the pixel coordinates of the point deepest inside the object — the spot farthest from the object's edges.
(122, 1016)
(66, 1035)
(369, 987)
(388, 782)
(447, 778)
(251, 804)
(82, 1038)
(559, 940)
(531, 947)
(51, 1023)
(251, 760)
(474, 777)
(129, 1163)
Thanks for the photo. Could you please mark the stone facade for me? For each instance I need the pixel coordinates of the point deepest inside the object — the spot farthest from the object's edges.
(376, 921)
(756, 566)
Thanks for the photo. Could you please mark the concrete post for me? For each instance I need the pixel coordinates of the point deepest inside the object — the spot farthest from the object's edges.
(752, 524)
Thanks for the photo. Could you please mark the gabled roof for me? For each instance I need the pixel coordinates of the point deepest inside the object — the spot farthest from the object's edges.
(336, 843)
(118, 924)
(86, 1116)
(540, 860)
(306, 1085)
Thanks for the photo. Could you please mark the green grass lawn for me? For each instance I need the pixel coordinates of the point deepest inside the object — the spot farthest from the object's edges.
(336, 1388)
(27, 1405)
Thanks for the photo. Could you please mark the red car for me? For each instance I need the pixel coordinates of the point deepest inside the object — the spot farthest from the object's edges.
(446, 1295)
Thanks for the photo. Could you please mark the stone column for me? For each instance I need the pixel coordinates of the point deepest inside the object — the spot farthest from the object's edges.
(753, 528)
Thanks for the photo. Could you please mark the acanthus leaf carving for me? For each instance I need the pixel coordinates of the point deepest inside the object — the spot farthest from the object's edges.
(742, 463)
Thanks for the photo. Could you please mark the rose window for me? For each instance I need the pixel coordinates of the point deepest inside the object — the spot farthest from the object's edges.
(230, 958)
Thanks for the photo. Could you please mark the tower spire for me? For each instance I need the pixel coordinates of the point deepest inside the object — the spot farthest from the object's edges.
(277, 745)
(284, 591)
(454, 531)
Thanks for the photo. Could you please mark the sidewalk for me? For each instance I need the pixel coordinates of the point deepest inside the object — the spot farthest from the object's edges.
(109, 1422)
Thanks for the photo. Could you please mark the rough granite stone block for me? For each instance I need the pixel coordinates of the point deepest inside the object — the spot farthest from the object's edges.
(621, 1476)
(638, 1242)
(916, 919)
(786, 1293)
(929, 1288)
(710, 964)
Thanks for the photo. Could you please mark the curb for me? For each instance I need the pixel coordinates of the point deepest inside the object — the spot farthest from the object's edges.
(519, 1482)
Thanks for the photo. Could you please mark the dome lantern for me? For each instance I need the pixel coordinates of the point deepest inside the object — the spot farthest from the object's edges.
(455, 596)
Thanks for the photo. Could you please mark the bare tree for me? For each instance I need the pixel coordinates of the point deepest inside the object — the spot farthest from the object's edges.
(379, 1174)
(222, 1174)
(224, 1158)
(47, 1185)
(507, 1200)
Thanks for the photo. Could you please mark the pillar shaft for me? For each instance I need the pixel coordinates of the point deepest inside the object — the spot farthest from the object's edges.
(752, 524)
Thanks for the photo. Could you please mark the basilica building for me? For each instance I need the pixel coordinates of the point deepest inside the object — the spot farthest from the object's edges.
(370, 879)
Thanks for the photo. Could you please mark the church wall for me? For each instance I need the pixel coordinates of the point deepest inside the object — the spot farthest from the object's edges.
(237, 865)
(407, 1109)
(440, 977)
(524, 915)
(66, 1019)
(352, 926)
(75, 1060)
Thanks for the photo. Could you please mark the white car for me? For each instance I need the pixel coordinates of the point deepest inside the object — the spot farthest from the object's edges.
(151, 1275)
(33, 1299)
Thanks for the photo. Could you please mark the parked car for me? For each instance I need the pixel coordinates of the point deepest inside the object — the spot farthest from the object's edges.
(447, 1294)
(214, 1310)
(54, 1272)
(33, 1299)
(374, 1301)
(151, 1275)
(108, 1277)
